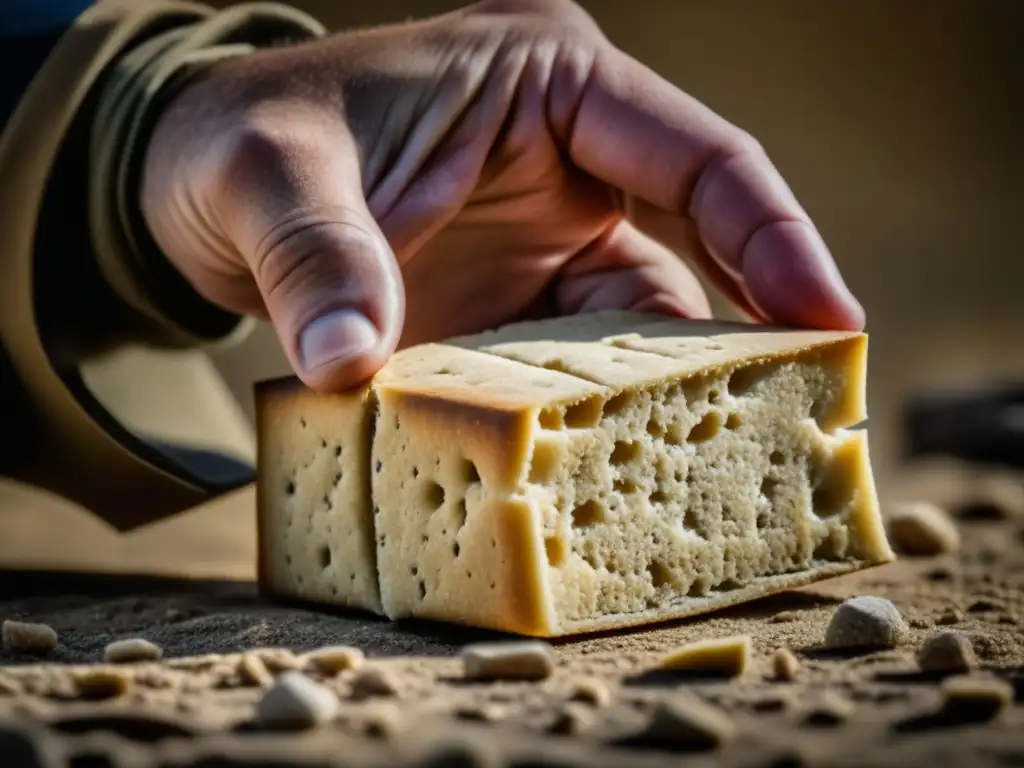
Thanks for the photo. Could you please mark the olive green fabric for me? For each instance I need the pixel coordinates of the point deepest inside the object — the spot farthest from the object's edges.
(79, 274)
(140, 83)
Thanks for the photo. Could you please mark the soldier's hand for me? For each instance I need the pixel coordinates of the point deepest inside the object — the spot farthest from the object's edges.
(396, 185)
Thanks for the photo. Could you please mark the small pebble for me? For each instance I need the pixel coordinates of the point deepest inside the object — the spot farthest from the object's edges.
(922, 529)
(684, 721)
(866, 622)
(590, 690)
(975, 699)
(26, 637)
(947, 651)
(101, 683)
(572, 720)
(512, 660)
(131, 650)
(785, 665)
(725, 656)
(252, 671)
(295, 701)
(950, 615)
(784, 616)
(374, 681)
(334, 659)
(830, 710)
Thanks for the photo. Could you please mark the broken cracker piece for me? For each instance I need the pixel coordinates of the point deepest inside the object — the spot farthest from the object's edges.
(101, 682)
(591, 690)
(374, 681)
(335, 658)
(785, 665)
(726, 656)
(975, 699)
(922, 529)
(252, 671)
(572, 719)
(512, 660)
(131, 650)
(27, 637)
(573, 475)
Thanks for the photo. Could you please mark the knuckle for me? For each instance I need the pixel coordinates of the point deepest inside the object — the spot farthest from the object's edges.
(568, 15)
(742, 142)
(250, 148)
(307, 250)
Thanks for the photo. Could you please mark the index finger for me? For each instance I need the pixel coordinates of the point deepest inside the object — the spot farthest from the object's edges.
(634, 130)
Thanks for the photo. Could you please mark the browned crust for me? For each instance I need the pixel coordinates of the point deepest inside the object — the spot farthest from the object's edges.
(262, 397)
(700, 606)
(524, 568)
(496, 438)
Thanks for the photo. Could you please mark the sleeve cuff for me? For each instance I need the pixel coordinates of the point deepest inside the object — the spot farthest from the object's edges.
(139, 86)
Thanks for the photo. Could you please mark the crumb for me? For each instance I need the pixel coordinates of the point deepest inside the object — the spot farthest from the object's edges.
(725, 656)
(975, 699)
(922, 529)
(333, 659)
(950, 615)
(252, 671)
(785, 665)
(27, 637)
(101, 683)
(374, 681)
(278, 659)
(511, 660)
(572, 720)
(590, 690)
(131, 650)
(481, 713)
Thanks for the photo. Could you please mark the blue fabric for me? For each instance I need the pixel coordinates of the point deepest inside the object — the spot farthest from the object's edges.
(28, 31)
(19, 18)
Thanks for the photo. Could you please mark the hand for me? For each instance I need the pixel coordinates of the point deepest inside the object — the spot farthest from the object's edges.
(403, 184)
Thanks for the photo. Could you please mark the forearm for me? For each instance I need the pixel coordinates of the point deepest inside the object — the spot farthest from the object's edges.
(77, 274)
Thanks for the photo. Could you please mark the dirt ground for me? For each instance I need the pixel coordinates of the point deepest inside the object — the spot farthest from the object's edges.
(196, 706)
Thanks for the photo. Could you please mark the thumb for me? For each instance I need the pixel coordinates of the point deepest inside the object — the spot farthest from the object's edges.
(294, 209)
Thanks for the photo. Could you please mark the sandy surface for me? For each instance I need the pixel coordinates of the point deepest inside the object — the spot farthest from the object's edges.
(195, 707)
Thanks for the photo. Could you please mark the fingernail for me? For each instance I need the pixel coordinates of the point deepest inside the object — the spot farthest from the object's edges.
(336, 336)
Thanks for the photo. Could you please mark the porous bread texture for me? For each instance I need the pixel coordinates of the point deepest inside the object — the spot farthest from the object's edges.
(314, 514)
(572, 475)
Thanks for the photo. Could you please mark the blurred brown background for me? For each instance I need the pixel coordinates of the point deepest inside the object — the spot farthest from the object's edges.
(900, 126)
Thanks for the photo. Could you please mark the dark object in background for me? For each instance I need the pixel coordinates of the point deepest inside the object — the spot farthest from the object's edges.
(981, 427)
